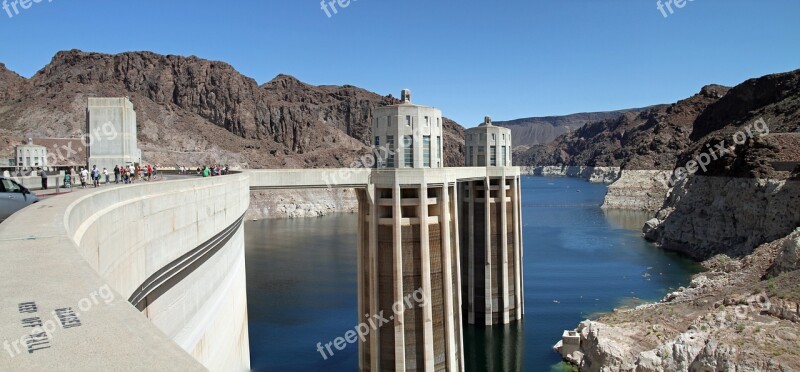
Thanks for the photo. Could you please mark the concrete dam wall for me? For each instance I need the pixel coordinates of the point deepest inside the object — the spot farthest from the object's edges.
(153, 260)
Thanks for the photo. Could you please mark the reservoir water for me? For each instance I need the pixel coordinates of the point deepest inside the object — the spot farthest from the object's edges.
(579, 261)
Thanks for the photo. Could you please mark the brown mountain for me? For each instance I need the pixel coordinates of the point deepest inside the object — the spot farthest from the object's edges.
(666, 137)
(543, 130)
(194, 111)
(773, 100)
(650, 139)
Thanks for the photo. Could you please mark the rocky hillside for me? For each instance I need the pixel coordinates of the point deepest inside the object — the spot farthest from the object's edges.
(739, 214)
(746, 195)
(543, 130)
(192, 110)
(650, 139)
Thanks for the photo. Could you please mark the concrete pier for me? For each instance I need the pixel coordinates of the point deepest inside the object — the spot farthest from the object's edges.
(491, 255)
(408, 247)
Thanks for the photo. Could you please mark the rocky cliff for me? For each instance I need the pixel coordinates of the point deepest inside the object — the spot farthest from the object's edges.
(705, 216)
(192, 110)
(591, 174)
(650, 139)
(638, 190)
(301, 203)
(728, 319)
(543, 130)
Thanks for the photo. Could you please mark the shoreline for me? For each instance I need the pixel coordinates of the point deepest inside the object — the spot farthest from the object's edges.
(749, 287)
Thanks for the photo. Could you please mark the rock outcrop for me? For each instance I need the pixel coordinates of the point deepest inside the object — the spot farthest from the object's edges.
(706, 216)
(301, 203)
(789, 257)
(591, 174)
(727, 319)
(638, 190)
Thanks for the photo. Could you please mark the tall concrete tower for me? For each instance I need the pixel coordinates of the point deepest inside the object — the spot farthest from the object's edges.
(491, 250)
(408, 247)
(408, 135)
(111, 126)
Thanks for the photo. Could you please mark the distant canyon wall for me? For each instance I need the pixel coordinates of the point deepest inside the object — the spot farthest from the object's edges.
(638, 190)
(591, 174)
(275, 204)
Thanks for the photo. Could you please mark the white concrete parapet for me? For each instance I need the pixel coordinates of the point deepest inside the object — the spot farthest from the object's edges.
(176, 248)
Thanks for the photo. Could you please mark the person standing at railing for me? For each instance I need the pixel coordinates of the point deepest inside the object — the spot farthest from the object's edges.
(44, 178)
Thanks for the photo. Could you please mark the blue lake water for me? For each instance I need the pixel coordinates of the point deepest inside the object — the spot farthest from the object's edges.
(579, 261)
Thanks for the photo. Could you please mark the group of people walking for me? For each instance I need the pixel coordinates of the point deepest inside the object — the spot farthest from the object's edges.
(125, 174)
(213, 171)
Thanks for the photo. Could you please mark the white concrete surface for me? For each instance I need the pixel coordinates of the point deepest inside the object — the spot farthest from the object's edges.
(421, 125)
(112, 133)
(123, 236)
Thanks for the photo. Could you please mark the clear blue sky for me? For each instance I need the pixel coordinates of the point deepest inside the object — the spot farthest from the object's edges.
(507, 59)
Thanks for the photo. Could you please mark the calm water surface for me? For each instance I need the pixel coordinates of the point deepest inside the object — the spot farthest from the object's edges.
(579, 261)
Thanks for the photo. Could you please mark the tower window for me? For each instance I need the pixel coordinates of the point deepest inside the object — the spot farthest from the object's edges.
(426, 151)
(408, 120)
(439, 148)
(390, 151)
(493, 156)
(408, 149)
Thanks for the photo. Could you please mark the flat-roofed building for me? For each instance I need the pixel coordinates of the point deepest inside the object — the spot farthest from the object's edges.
(30, 155)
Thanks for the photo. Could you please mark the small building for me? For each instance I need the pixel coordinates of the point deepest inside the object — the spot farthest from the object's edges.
(408, 135)
(488, 145)
(30, 155)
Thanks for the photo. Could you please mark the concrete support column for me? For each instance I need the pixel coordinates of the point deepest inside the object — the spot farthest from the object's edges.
(518, 248)
(427, 310)
(361, 256)
(455, 212)
(399, 324)
(374, 337)
(504, 250)
(447, 263)
(471, 254)
(487, 272)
